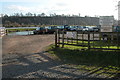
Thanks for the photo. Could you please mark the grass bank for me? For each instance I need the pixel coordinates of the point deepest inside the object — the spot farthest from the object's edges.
(105, 63)
(77, 55)
(19, 30)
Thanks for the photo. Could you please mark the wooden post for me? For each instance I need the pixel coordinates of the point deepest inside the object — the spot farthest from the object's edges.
(118, 40)
(6, 32)
(55, 38)
(77, 37)
(100, 39)
(67, 40)
(88, 40)
(71, 40)
(58, 32)
(108, 40)
(93, 39)
(82, 38)
(63, 39)
(28, 31)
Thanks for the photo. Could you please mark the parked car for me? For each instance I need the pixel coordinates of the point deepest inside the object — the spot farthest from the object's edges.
(116, 28)
(85, 29)
(72, 28)
(40, 30)
(80, 28)
(96, 29)
(64, 27)
(90, 29)
(60, 27)
(50, 29)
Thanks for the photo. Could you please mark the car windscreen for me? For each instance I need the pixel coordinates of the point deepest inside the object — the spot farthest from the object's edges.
(60, 27)
(47, 27)
(40, 28)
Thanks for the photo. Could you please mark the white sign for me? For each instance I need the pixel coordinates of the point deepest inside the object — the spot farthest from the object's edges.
(71, 34)
(106, 20)
(106, 29)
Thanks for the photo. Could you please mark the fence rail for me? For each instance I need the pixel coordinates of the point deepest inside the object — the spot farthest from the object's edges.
(2, 31)
(91, 40)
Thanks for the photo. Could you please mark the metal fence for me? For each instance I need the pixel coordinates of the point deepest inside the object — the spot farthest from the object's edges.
(88, 40)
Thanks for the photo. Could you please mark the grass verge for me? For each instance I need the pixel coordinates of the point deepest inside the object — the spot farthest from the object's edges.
(19, 30)
(105, 63)
(79, 55)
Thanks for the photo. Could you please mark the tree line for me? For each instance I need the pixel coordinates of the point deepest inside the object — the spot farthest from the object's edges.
(41, 14)
(29, 19)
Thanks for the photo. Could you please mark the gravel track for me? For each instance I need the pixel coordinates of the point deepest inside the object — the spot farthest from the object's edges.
(26, 44)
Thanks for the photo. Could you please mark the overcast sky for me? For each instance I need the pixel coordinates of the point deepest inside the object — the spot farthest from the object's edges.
(84, 7)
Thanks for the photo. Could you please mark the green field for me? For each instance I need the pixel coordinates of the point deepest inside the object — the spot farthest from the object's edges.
(19, 30)
(93, 44)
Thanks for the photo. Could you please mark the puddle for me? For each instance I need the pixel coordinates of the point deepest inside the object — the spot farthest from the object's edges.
(21, 33)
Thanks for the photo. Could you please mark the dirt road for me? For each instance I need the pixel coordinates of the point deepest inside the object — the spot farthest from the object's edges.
(26, 44)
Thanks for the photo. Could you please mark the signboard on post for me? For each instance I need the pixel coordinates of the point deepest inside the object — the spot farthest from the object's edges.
(106, 29)
(106, 20)
(2, 31)
(106, 23)
(71, 35)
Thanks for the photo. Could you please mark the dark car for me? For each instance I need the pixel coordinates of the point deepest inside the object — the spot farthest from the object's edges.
(64, 27)
(50, 29)
(116, 28)
(40, 30)
(96, 29)
(85, 29)
(73, 28)
(60, 28)
(80, 28)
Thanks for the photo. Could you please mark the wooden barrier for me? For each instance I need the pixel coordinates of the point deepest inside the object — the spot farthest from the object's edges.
(91, 40)
(3, 31)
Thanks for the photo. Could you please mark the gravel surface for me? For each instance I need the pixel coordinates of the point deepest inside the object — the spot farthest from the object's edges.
(24, 57)
(26, 44)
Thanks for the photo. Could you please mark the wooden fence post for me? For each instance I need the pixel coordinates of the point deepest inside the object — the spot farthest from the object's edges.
(88, 40)
(28, 31)
(82, 38)
(100, 39)
(56, 38)
(58, 32)
(117, 40)
(93, 35)
(6, 32)
(77, 37)
(63, 39)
